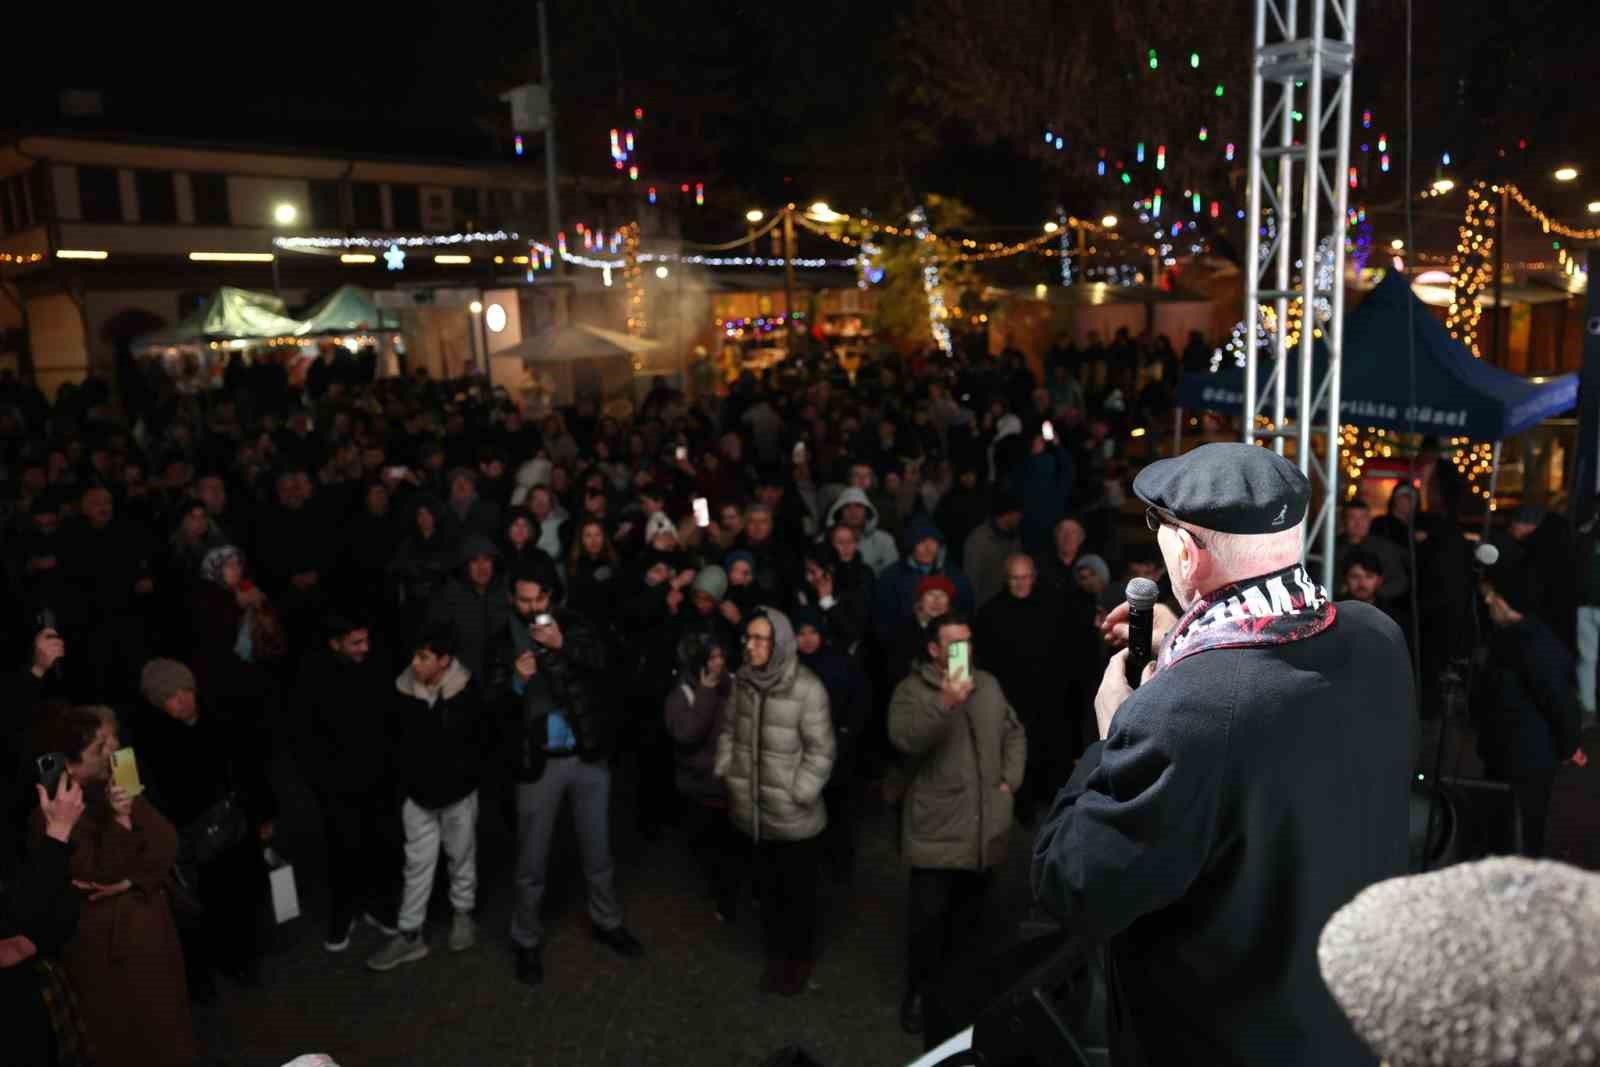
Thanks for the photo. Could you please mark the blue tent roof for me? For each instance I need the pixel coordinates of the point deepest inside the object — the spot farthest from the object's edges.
(1455, 393)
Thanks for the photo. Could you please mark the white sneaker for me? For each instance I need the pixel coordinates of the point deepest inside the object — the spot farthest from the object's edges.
(341, 944)
(463, 932)
(382, 927)
(399, 949)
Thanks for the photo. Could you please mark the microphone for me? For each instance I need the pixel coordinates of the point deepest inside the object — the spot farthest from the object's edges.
(1142, 594)
(1484, 557)
(1481, 963)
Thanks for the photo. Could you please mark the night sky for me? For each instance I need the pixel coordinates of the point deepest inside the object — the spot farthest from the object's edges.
(792, 100)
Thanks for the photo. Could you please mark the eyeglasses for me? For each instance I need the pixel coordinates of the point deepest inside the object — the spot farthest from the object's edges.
(1155, 518)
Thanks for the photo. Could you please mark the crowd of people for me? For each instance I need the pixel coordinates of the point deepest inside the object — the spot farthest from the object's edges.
(424, 601)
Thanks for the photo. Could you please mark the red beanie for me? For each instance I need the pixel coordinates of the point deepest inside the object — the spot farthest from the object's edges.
(937, 581)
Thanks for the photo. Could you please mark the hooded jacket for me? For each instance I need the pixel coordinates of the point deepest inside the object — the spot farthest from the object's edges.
(876, 548)
(439, 737)
(956, 814)
(776, 748)
(895, 590)
(474, 615)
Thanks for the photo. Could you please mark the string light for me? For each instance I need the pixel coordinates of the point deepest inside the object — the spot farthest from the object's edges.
(300, 244)
(519, 144)
(1549, 224)
(937, 312)
(21, 257)
(1161, 157)
(1471, 268)
(630, 279)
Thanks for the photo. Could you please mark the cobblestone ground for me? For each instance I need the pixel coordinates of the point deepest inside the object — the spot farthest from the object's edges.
(692, 1000)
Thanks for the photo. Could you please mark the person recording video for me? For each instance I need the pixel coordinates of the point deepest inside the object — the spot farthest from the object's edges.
(1255, 780)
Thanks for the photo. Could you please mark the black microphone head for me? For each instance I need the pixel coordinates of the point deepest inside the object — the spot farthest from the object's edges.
(1142, 594)
(1486, 555)
(1478, 965)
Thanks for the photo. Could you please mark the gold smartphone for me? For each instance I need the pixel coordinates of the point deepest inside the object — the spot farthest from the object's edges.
(125, 772)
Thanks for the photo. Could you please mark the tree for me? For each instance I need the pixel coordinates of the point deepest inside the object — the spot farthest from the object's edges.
(902, 310)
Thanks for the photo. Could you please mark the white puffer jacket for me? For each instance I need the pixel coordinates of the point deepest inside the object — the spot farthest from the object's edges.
(776, 748)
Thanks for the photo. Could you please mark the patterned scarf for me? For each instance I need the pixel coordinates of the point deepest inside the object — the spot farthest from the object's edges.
(1273, 609)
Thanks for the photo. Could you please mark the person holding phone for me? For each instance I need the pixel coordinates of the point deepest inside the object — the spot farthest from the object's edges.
(969, 751)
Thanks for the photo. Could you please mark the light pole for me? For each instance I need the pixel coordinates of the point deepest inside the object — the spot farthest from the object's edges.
(283, 214)
(753, 217)
(480, 344)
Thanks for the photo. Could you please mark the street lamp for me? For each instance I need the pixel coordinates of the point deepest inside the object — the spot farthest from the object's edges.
(1443, 185)
(662, 271)
(1594, 207)
(822, 212)
(285, 214)
(753, 216)
(476, 307)
(1397, 244)
(1566, 174)
(1109, 222)
(480, 344)
(1052, 226)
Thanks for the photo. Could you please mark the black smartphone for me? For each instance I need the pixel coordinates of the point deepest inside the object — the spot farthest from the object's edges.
(51, 766)
(44, 619)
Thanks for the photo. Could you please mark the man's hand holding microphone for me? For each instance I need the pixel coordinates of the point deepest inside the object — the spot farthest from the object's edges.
(1136, 626)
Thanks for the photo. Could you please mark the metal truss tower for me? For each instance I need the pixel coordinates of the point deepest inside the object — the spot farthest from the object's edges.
(1300, 107)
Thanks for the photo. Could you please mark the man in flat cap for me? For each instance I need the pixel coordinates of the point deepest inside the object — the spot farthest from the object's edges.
(1256, 781)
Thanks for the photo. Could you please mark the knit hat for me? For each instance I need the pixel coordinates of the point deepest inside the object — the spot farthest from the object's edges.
(659, 524)
(936, 581)
(163, 677)
(1095, 564)
(712, 580)
(736, 555)
(808, 615)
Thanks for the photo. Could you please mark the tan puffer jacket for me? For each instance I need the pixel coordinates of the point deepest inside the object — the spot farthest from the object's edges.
(956, 815)
(776, 747)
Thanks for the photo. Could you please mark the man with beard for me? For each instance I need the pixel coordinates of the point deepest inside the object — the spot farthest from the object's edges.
(1020, 632)
(543, 674)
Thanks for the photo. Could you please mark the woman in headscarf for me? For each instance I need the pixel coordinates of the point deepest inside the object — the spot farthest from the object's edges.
(775, 753)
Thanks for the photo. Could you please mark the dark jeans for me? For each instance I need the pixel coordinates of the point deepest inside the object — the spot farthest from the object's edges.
(364, 856)
(720, 850)
(786, 883)
(843, 799)
(945, 913)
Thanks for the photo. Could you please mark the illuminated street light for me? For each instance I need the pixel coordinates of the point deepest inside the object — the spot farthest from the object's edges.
(476, 307)
(662, 271)
(753, 216)
(1052, 226)
(1594, 207)
(1443, 185)
(1109, 222)
(823, 213)
(1566, 174)
(285, 214)
(1397, 244)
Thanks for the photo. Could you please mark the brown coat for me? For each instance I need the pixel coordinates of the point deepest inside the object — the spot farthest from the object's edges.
(956, 814)
(125, 961)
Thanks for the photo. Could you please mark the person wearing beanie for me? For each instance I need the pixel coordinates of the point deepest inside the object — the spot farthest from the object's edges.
(191, 759)
(894, 595)
(849, 701)
(987, 548)
(711, 616)
(935, 596)
(1530, 723)
(661, 533)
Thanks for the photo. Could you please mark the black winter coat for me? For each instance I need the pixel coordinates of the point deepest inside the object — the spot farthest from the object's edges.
(39, 904)
(1530, 723)
(342, 721)
(569, 680)
(438, 750)
(1242, 797)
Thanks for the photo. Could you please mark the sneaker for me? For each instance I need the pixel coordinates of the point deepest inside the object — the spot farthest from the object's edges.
(339, 944)
(378, 924)
(620, 941)
(463, 932)
(402, 948)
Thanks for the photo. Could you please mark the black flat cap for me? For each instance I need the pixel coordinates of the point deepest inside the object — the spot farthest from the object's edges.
(1229, 487)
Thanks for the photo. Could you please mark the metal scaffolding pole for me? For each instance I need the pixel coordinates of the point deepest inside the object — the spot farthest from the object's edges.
(1285, 203)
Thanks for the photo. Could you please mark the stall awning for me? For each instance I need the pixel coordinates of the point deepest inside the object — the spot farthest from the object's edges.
(565, 344)
(347, 308)
(1451, 392)
(229, 314)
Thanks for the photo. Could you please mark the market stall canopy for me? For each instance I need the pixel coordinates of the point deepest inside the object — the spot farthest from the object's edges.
(347, 308)
(566, 344)
(1452, 392)
(229, 314)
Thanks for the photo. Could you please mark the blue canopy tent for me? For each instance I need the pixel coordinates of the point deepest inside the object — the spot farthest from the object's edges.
(1454, 393)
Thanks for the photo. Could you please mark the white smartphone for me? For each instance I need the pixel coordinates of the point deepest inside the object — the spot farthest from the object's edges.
(702, 512)
(682, 453)
(1049, 431)
(959, 667)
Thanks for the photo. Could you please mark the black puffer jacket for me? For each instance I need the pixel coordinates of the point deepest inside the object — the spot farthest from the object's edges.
(568, 680)
(439, 739)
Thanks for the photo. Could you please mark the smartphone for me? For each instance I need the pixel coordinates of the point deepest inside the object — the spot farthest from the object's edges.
(959, 668)
(702, 512)
(1049, 431)
(799, 451)
(51, 766)
(543, 620)
(125, 772)
(682, 453)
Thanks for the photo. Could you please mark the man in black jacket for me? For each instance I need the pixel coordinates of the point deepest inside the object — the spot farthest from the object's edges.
(1252, 785)
(439, 737)
(341, 692)
(543, 671)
